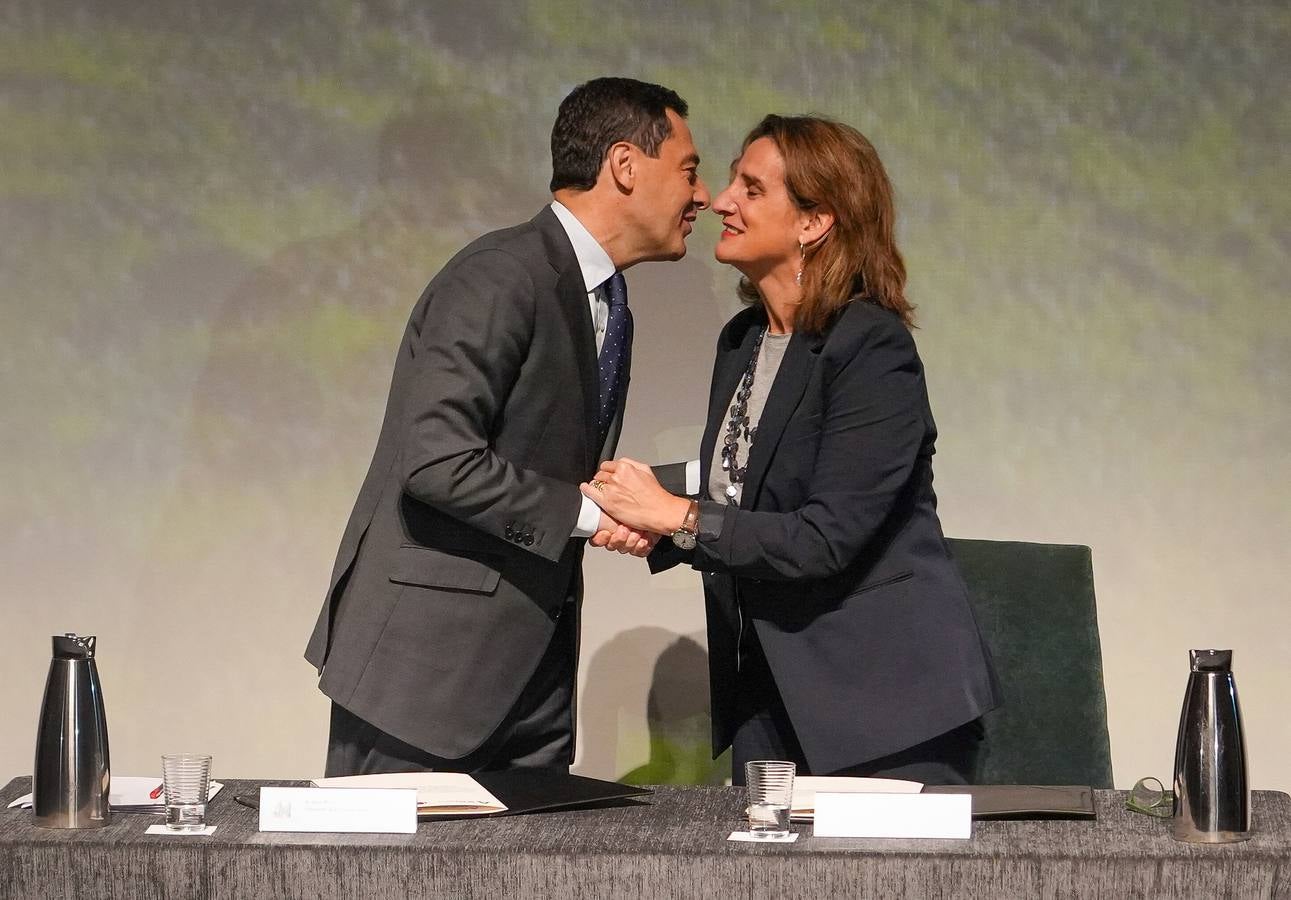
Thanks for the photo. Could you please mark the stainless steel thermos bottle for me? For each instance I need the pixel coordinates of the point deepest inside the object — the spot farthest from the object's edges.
(70, 780)
(1212, 797)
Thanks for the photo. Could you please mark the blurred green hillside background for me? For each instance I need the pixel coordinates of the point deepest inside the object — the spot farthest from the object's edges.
(214, 218)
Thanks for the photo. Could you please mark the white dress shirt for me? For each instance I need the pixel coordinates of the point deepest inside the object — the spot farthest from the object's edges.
(597, 267)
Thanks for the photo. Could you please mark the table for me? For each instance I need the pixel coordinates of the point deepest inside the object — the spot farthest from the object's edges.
(672, 845)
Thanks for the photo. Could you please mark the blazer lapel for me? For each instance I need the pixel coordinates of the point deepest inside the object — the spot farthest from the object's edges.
(572, 298)
(786, 393)
(732, 359)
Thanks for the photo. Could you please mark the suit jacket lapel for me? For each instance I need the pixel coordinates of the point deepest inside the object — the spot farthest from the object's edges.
(732, 360)
(572, 298)
(786, 393)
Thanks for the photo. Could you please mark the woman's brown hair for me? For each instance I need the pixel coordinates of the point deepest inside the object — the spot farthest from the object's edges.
(832, 166)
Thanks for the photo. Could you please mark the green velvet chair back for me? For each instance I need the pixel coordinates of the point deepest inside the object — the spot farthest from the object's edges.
(1035, 607)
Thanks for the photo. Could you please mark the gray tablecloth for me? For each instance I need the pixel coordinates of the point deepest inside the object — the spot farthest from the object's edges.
(672, 845)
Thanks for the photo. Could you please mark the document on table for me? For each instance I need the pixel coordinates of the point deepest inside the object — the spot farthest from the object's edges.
(438, 793)
(805, 788)
(131, 793)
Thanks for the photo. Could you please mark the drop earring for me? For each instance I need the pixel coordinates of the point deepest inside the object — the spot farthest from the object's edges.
(802, 261)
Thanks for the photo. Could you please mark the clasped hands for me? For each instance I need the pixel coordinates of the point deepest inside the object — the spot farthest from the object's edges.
(635, 509)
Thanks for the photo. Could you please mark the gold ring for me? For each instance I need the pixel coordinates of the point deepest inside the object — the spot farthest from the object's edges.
(599, 485)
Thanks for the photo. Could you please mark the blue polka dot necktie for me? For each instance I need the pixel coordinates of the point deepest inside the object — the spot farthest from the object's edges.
(616, 350)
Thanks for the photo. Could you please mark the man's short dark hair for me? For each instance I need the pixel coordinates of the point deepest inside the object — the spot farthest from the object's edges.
(599, 114)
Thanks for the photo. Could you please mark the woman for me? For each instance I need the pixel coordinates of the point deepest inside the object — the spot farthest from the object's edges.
(840, 633)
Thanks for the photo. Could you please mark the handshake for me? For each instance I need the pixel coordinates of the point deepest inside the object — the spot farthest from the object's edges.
(635, 509)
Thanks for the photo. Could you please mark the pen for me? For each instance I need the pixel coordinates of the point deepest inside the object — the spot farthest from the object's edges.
(155, 792)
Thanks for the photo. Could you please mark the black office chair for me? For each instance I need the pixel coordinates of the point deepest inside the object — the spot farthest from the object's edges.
(1035, 607)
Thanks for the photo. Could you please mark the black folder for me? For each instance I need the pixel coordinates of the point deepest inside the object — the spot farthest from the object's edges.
(1024, 801)
(538, 790)
(528, 791)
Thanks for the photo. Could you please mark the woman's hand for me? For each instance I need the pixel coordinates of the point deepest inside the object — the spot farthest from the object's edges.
(629, 493)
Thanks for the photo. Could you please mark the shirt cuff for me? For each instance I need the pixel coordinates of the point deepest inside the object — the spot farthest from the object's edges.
(692, 478)
(589, 518)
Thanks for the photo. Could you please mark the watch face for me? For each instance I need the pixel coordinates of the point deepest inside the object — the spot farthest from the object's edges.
(683, 540)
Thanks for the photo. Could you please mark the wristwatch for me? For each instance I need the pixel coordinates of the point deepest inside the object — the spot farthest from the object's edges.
(684, 537)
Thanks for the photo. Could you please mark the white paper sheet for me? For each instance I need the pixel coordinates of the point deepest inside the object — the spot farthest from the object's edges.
(130, 793)
(805, 788)
(438, 793)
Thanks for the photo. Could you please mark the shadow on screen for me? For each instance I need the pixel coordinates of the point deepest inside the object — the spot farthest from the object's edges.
(677, 726)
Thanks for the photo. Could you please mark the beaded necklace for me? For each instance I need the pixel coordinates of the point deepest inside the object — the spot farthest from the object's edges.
(738, 424)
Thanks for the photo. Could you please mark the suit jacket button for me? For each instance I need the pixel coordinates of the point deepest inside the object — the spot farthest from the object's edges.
(528, 538)
(509, 531)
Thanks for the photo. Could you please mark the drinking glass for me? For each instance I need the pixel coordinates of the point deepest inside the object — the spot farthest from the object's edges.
(186, 782)
(770, 786)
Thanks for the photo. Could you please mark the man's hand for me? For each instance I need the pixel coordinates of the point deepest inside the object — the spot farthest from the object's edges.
(621, 539)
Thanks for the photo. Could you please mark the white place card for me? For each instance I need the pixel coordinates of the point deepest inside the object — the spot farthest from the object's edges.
(894, 815)
(340, 810)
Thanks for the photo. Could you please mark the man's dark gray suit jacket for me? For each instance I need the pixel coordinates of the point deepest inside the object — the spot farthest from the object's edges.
(835, 553)
(457, 559)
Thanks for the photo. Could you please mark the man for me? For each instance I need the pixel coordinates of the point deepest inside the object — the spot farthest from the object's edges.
(449, 636)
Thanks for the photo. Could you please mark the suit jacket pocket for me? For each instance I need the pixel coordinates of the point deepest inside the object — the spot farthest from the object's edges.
(427, 567)
(802, 428)
(884, 582)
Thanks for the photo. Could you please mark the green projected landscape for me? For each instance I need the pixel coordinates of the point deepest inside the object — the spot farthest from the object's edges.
(214, 218)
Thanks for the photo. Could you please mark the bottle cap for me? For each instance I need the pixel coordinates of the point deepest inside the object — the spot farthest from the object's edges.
(1211, 660)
